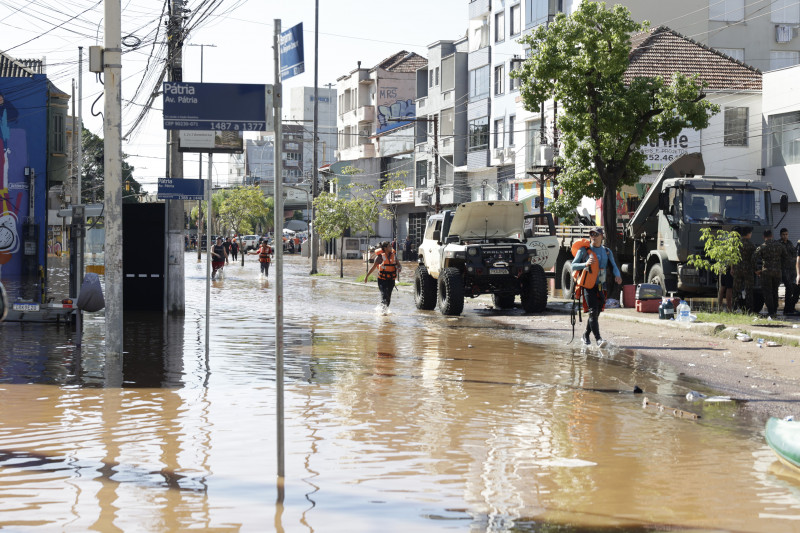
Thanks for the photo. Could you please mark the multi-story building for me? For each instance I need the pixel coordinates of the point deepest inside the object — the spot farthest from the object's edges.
(761, 33)
(442, 94)
(301, 113)
(257, 165)
(371, 100)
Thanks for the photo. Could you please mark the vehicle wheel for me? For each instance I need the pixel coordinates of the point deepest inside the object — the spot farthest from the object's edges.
(503, 300)
(656, 277)
(424, 289)
(451, 292)
(567, 281)
(534, 290)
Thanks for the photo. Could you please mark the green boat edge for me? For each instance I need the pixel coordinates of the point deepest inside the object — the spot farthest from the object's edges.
(783, 441)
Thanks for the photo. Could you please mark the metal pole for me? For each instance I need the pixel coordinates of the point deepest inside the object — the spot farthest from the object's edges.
(80, 124)
(315, 176)
(208, 253)
(438, 204)
(278, 180)
(112, 68)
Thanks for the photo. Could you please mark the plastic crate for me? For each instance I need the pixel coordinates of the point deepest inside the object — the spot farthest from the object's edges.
(647, 306)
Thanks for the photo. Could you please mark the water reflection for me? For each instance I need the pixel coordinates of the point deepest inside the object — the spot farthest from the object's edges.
(404, 422)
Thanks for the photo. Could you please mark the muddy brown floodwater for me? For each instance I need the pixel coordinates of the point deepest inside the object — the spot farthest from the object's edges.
(404, 422)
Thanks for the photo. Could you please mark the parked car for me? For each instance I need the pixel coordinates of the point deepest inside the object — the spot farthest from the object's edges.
(249, 242)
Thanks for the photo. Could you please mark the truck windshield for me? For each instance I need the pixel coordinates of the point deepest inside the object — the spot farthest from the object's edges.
(725, 206)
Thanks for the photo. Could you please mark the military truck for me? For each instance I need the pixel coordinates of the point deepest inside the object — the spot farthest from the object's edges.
(478, 248)
(666, 227)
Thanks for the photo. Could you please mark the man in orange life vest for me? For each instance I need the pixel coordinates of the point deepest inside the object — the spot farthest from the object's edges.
(388, 271)
(592, 257)
(264, 252)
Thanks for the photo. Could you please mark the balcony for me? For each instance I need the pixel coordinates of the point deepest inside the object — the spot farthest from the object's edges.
(478, 8)
(365, 113)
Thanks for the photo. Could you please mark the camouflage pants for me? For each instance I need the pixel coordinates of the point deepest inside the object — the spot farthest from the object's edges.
(743, 291)
(769, 284)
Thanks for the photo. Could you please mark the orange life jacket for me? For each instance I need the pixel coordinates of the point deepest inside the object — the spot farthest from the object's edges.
(388, 267)
(264, 253)
(586, 278)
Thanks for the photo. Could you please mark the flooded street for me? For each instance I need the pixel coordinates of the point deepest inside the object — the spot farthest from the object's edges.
(404, 422)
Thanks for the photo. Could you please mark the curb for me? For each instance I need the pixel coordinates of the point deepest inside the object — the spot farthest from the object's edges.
(704, 328)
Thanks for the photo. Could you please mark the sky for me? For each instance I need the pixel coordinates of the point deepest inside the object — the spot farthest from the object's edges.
(241, 32)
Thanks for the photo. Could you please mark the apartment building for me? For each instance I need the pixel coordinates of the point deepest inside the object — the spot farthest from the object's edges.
(441, 132)
(371, 101)
(301, 113)
(257, 167)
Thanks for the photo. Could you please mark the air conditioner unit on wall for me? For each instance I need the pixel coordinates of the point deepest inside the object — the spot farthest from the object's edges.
(783, 33)
(508, 153)
(425, 198)
(498, 153)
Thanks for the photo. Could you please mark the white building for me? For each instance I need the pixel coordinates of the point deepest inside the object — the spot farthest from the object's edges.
(301, 113)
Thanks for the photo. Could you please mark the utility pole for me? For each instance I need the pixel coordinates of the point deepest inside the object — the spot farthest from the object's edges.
(112, 149)
(314, 252)
(175, 290)
(200, 171)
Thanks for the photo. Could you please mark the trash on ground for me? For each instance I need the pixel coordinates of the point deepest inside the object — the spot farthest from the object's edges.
(694, 396)
(678, 413)
(772, 344)
(744, 337)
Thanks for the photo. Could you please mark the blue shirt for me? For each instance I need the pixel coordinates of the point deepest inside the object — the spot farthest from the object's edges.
(604, 256)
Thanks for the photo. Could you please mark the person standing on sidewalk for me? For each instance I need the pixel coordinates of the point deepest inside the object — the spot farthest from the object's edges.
(788, 275)
(773, 256)
(595, 296)
(744, 272)
(388, 271)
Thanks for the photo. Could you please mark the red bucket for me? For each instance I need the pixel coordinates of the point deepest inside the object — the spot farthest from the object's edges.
(629, 296)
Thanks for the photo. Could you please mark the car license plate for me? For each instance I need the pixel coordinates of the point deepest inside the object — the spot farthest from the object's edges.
(25, 307)
(498, 271)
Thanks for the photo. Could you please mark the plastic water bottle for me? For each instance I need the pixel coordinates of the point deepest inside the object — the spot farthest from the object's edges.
(683, 312)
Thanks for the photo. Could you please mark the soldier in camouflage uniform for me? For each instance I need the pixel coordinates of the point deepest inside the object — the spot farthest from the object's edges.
(788, 275)
(774, 257)
(744, 272)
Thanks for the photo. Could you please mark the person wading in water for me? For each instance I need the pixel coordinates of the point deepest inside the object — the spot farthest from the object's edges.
(388, 271)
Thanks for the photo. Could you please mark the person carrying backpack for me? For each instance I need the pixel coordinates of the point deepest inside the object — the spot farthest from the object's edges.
(594, 259)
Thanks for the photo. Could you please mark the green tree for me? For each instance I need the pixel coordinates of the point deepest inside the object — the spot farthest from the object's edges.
(93, 173)
(241, 206)
(337, 212)
(722, 250)
(580, 61)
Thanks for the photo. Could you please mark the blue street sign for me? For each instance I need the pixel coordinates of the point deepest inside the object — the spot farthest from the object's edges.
(291, 51)
(216, 106)
(181, 189)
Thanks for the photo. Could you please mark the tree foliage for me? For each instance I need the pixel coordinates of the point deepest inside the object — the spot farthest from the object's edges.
(580, 61)
(93, 173)
(240, 207)
(722, 250)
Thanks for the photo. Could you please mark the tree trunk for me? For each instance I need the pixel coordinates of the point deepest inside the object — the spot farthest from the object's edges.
(341, 256)
(610, 214)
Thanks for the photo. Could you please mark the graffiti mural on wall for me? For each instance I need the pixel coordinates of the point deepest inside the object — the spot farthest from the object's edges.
(394, 103)
(23, 121)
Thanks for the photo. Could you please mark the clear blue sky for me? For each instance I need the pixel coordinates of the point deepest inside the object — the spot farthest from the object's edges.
(241, 30)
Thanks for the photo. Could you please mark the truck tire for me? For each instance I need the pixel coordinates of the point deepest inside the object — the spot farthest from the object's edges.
(567, 281)
(503, 300)
(424, 289)
(451, 292)
(534, 290)
(656, 277)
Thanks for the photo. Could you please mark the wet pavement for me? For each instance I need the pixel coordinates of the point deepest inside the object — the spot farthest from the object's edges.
(409, 421)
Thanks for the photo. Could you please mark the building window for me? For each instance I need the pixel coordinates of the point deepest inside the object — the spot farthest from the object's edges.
(430, 77)
(479, 134)
(514, 83)
(736, 126)
(59, 134)
(784, 139)
(726, 10)
(785, 11)
(511, 123)
(516, 20)
(500, 27)
(447, 126)
(735, 53)
(536, 12)
(448, 73)
(479, 83)
(783, 58)
(499, 79)
(498, 133)
(436, 77)
(422, 174)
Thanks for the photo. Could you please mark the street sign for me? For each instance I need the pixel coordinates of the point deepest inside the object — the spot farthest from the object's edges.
(181, 189)
(291, 52)
(217, 106)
